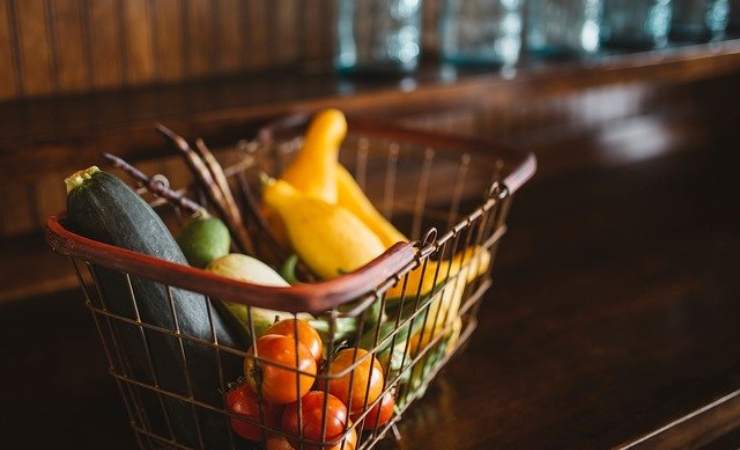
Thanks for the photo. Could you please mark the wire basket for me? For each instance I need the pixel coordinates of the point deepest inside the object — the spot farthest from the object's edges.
(410, 309)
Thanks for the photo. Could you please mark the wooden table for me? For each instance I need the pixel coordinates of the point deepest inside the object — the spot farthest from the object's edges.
(614, 312)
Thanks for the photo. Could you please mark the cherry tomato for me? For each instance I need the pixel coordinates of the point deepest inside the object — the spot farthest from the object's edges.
(278, 443)
(368, 371)
(312, 408)
(380, 414)
(278, 383)
(350, 441)
(306, 335)
(242, 400)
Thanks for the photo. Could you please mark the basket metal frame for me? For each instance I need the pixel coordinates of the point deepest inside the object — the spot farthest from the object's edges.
(484, 227)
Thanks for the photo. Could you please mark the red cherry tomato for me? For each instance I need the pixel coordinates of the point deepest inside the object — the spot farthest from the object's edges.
(280, 443)
(312, 408)
(350, 442)
(279, 383)
(241, 400)
(306, 335)
(368, 372)
(380, 414)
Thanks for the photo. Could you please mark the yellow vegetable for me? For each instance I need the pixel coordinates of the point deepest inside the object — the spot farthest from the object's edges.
(454, 335)
(245, 268)
(350, 196)
(474, 262)
(443, 310)
(328, 238)
(313, 171)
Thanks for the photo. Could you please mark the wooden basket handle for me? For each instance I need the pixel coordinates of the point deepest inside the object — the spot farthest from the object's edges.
(314, 298)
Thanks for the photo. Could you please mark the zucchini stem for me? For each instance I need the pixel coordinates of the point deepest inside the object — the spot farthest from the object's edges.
(78, 178)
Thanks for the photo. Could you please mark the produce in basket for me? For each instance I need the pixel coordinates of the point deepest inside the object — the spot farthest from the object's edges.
(380, 414)
(102, 207)
(252, 270)
(204, 239)
(361, 385)
(350, 196)
(330, 239)
(313, 170)
(249, 269)
(306, 335)
(312, 416)
(242, 400)
(316, 171)
(277, 379)
(469, 264)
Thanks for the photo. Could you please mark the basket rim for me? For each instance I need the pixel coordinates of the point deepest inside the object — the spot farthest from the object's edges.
(313, 298)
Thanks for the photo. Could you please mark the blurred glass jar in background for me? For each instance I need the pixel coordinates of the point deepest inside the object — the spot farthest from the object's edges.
(481, 32)
(557, 28)
(378, 36)
(733, 23)
(698, 20)
(635, 24)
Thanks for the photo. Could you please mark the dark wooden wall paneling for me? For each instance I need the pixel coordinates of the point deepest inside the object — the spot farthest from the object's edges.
(50, 47)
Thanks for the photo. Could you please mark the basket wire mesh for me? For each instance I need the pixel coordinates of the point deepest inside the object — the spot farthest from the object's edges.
(422, 188)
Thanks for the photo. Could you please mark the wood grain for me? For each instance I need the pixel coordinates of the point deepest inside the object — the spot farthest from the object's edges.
(285, 40)
(69, 49)
(312, 30)
(8, 83)
(232, 35)
(199, 44)
(329, 35)
(49, 194)
(108, 51)
(88, 45)
(35, 46)
(137, 31)
(258, 56)
(17, 198)
(168, 38)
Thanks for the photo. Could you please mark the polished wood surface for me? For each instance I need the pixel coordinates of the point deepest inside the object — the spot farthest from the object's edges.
(613, 313)
(43, 140)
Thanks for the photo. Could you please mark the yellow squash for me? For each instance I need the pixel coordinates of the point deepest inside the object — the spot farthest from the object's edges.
(328, 238)
(473, 262)
(350, 196)
(313, 171)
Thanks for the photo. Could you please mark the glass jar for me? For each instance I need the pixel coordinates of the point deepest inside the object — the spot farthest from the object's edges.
(635, 24)
(378, 36)
(481, 32)
(563, 27)
(698, 20)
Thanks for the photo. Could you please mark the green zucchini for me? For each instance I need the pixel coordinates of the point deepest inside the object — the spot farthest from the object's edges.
(102, 207)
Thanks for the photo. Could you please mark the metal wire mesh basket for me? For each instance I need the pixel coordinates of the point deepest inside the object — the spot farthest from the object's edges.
(425, 295)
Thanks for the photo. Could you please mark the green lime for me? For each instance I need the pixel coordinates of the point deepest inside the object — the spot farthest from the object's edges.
(204, 239)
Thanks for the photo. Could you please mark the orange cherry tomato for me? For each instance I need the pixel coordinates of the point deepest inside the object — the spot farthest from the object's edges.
(279, 383)
(306, 335)
(368, 372)
(242, 400)
(380, 414)
(312, 408)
